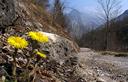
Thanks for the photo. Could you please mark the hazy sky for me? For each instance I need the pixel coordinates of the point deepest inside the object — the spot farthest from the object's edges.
(90, 5)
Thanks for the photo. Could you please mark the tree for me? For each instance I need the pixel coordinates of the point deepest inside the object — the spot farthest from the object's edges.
(43, 3)
(58, 13)
(110, 9)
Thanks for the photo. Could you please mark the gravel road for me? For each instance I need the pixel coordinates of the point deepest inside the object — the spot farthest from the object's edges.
(104, 68)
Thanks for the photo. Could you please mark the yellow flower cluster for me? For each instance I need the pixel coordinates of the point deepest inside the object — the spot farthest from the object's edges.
(38, 36)
(41, 54)
(20, 43)
(17, 42)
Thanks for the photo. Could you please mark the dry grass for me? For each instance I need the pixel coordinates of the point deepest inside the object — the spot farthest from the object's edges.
(116, 54)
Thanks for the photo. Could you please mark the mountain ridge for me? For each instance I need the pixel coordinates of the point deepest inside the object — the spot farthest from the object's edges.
(122, 16)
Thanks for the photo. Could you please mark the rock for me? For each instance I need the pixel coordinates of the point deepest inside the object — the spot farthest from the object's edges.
(62, 56)
(7, 12)
(59, 48)
(105, 79)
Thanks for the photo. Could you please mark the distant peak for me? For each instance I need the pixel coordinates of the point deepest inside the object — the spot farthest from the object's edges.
(126, 11)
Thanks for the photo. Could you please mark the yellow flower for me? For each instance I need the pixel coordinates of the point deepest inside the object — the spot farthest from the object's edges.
(17, 42)
(38, 36)
(41, 54)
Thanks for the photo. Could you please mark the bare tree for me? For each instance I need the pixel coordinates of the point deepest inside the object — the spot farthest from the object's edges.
(58, 13)
(43, 3)
(110, 10)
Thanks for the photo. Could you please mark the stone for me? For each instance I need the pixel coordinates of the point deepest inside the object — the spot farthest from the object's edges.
(7, 13)
(59, 48)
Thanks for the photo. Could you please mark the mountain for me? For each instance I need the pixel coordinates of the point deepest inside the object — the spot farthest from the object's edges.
(88, 19)
(81, 22)
(122, 16)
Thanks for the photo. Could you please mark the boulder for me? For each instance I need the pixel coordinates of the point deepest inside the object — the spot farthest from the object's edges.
(62, 56)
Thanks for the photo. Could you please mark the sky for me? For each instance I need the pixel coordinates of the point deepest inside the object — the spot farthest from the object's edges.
(90, 6)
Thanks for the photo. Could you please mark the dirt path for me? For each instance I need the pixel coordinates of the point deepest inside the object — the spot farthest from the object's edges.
(105, 68)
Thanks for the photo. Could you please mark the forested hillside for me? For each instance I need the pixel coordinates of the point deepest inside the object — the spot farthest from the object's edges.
(117, 32)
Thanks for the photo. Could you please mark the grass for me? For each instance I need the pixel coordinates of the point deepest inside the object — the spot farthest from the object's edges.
(116, 54)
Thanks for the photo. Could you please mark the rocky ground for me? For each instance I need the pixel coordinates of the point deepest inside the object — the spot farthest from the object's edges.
(98, 68)
(60, 64)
